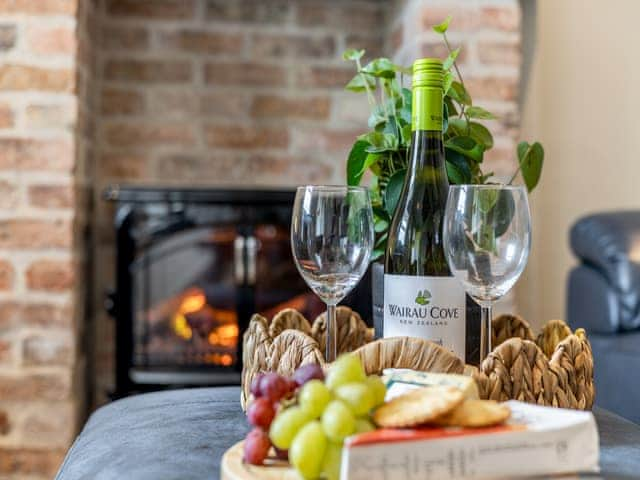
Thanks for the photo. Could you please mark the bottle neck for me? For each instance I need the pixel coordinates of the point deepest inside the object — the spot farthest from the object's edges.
(427, 148)
(426, 109)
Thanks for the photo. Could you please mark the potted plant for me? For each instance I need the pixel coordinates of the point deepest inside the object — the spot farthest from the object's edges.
(383, 150)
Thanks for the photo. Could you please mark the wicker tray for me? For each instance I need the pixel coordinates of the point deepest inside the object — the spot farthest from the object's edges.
(555, 368)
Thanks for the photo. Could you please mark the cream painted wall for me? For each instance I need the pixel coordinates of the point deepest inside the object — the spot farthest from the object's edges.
(583, 104)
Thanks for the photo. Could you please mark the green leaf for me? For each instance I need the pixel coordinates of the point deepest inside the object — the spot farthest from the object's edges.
(466, 146)
(531, 165)
(459, 93)
(355, 162)
(377, 253)
(403, 69)
(381, 225)
(458, 127)
(404, 112)
(380, 67)
(374, 192)
(450, 106)
(486, 199)
(381, 241)
(380, 213)
(457, 165)
(373, 138)
(448, 81)
(455, 175)
(522, 150)
(377, 117)
(442, 27)
(393, 190)
(503, 212)
(406, 96)
(369, 161)
(481, 135)
(391, 128)
(406, 134)
(451, 58)
(383, 142)
(445, 117)
(357, 83)
(481, 113)
(352, 54)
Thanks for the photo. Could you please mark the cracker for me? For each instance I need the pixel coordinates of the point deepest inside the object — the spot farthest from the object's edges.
(474, 413)
(418, 406)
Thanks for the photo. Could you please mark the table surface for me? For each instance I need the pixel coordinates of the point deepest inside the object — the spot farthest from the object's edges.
(182, 434)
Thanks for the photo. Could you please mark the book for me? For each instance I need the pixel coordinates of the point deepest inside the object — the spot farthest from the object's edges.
(535, 441)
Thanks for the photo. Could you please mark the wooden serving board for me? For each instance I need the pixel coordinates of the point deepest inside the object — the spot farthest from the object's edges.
(232, 468)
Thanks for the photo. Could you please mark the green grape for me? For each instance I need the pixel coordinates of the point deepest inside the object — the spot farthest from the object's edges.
(313, 397)
(285, 426)
(378, 388)
(337, 421)
(308, 449)
(331, 461)
(357, 396)
(346, 369)
(363, 426)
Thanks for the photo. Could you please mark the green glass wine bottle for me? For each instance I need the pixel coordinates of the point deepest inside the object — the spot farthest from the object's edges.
(421, 297)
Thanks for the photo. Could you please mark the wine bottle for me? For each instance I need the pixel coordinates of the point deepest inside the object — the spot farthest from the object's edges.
(421, 297)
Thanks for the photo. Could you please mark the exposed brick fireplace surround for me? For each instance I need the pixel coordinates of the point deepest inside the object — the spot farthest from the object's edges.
(174, 92)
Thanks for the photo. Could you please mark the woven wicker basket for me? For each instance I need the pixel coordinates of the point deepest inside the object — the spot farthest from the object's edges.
(555, 368)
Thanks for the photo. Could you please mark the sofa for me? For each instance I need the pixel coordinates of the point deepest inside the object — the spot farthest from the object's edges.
(604, 299)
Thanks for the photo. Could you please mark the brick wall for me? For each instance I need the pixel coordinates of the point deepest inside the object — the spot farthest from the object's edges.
(43, 139)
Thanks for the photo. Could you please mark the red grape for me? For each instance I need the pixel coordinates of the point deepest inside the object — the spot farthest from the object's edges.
(256, 447)
(308, 372)
(260, 413)
(292, 386)
(255, 385)
(282, 454)
(273, 386)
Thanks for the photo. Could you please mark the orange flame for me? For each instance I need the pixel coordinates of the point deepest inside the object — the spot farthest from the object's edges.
(225, 335)
(193, 301)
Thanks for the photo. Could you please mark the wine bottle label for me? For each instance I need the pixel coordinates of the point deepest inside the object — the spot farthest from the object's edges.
(427, 109)
(433, 308)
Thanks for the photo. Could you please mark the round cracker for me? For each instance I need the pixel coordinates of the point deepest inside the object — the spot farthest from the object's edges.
(418, 406)
(474, 414)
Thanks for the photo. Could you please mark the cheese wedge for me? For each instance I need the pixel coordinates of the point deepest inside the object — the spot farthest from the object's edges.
(399, 381)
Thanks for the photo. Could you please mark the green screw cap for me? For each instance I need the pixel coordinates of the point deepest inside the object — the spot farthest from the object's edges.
(428, 72)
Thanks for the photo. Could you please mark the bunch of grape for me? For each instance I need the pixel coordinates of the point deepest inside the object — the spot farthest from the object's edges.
(313, 430)
(270, 392)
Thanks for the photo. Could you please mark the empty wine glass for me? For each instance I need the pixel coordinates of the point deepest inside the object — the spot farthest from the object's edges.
(332, 239)
(487, 237)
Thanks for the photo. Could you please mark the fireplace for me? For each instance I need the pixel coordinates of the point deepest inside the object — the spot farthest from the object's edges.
(192, 266)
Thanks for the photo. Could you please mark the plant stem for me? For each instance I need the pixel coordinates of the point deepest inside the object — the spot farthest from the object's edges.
(455, 66)
(455, 63)
(519, 166)
(383, 100)
(515, 174)
(370, 96)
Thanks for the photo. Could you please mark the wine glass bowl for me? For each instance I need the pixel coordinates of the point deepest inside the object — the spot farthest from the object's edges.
(331, 240)
(487, 238)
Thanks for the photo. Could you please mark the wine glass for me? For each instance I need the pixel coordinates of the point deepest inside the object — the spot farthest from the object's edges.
(332, 239)
(487, 237)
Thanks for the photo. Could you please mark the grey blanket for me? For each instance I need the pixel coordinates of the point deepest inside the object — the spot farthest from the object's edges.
(182, 435)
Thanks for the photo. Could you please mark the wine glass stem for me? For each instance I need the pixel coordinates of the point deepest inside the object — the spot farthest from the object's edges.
(331, 349)
(485, 331)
